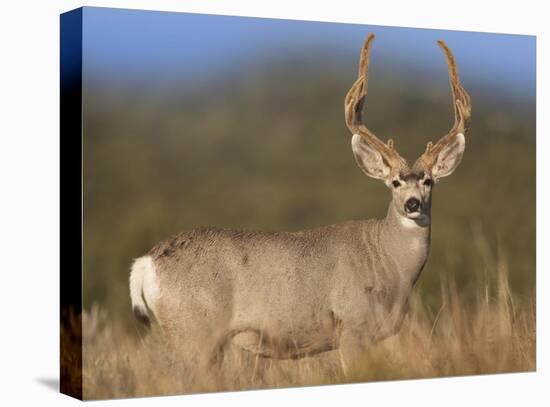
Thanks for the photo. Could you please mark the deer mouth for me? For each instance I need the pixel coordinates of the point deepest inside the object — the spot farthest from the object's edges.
(417, 214)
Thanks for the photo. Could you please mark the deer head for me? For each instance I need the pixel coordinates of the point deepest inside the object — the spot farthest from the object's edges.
(411, 186)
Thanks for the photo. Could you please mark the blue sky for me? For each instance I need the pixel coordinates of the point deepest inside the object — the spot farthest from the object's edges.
(125, 44)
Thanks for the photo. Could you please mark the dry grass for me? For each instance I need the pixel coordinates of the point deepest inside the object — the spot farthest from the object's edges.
(479, 332)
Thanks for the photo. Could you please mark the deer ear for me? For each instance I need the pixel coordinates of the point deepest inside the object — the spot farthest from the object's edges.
(369, 160)
(449, 157)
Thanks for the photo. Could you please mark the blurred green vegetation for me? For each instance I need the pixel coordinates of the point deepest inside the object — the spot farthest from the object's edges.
(267, 148)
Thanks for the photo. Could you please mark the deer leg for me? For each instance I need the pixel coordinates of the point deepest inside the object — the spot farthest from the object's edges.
(352, 344)
(212, 359)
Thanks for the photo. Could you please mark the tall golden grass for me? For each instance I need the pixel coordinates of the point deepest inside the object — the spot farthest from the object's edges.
(485, 330)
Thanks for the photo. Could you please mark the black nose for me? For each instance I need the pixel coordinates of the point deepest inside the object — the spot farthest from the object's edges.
(412, 205)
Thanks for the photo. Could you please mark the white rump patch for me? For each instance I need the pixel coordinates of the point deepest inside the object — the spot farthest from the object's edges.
(143, 281)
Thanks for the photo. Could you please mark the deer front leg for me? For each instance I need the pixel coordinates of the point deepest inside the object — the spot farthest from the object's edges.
(353, 344)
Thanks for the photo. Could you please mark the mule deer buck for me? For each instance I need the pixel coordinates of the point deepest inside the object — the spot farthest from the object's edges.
(288, 295)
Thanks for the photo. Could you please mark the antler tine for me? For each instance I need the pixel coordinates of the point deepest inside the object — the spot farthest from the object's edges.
(461, 99)
(354, 103)
(462, 108)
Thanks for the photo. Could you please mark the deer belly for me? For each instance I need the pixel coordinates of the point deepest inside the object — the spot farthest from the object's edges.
(289, 344)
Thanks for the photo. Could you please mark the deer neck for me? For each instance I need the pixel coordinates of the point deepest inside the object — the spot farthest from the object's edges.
(406, 242)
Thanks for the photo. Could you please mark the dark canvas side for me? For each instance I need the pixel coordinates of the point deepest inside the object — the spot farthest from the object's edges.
(71, 203)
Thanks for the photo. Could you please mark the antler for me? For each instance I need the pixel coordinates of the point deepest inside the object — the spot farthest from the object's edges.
(462, 108)
(353, 106)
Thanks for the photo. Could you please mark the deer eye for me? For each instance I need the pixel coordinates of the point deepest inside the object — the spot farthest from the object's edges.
(428, 182)
(396, 184)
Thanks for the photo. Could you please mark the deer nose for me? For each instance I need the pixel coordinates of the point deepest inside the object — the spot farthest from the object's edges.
(412, 205)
